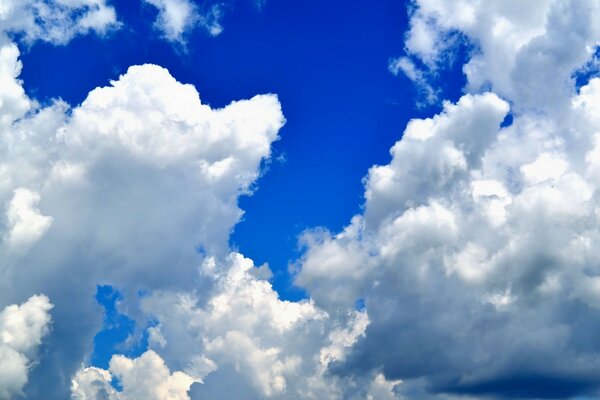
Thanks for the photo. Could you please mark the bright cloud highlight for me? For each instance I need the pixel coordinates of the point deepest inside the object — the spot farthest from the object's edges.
(22, 328)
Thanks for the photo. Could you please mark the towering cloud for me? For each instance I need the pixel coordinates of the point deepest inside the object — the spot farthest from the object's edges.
(476, 252)
(124, 189)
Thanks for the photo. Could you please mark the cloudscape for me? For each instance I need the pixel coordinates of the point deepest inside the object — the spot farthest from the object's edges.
(262, 199)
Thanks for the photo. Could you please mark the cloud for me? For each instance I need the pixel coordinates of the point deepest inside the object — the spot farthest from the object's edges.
(56, 21)
(525, 52)
(22, 328)
(136, 187)
(475, 254)
(26, 224)
(406, 66)
(146, 377)
(240, 331)
(124, 190)
(472, 270)
(177, 18)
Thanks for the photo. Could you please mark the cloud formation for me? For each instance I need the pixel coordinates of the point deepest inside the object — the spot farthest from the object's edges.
(524, 52)
(22, 328)
(242, 332)
(472, 270)
(146, 377)
(475, 255)
(130, 188)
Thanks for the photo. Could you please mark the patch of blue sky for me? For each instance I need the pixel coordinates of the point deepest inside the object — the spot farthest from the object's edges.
(119, 334)
(590, 70)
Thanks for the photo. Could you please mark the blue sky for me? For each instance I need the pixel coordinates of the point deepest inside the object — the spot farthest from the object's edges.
(327, 62)
(421, 178)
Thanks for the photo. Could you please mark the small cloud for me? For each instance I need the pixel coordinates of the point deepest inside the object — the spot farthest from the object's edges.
(419, 78)
(177, 18)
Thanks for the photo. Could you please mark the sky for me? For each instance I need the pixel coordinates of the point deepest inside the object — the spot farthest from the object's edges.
(260, 199)
(293, 51)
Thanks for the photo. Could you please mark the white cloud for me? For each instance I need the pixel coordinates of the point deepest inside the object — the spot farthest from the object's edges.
(123, 190)
(406, 66)
(474, 240)
(120, 190)
(26, 224)
(475, 253)
(243, 329)
(56, 21)
(22, 328)
(242, 332)
(525, 52)
(92, 383)
(143, 378)
(176, 18)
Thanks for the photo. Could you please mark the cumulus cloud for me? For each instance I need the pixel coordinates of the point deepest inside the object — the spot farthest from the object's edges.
(472, 270)
(243, 332)
(129, 188)
(525, 52)
(475, 254)
(176, 18)
(26, 224)
(146, 377)
(22, 328)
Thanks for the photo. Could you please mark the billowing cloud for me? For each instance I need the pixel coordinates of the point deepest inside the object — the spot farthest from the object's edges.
(26, 224)
(472, 270)
(476, 252)
(177, 18)
(130, 188)
(146, 377)
(241, 331)
(526, 52)
(22, 328)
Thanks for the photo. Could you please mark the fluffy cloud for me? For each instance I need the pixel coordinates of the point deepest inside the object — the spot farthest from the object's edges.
(475, 254)
(476, 263)
(526, 52)
(146, 377)
(176, 18)
(55, 21)
(22, 328)
(26, 224)
(241, 331)
(123, 189)
(474, 257)
(238, 331)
